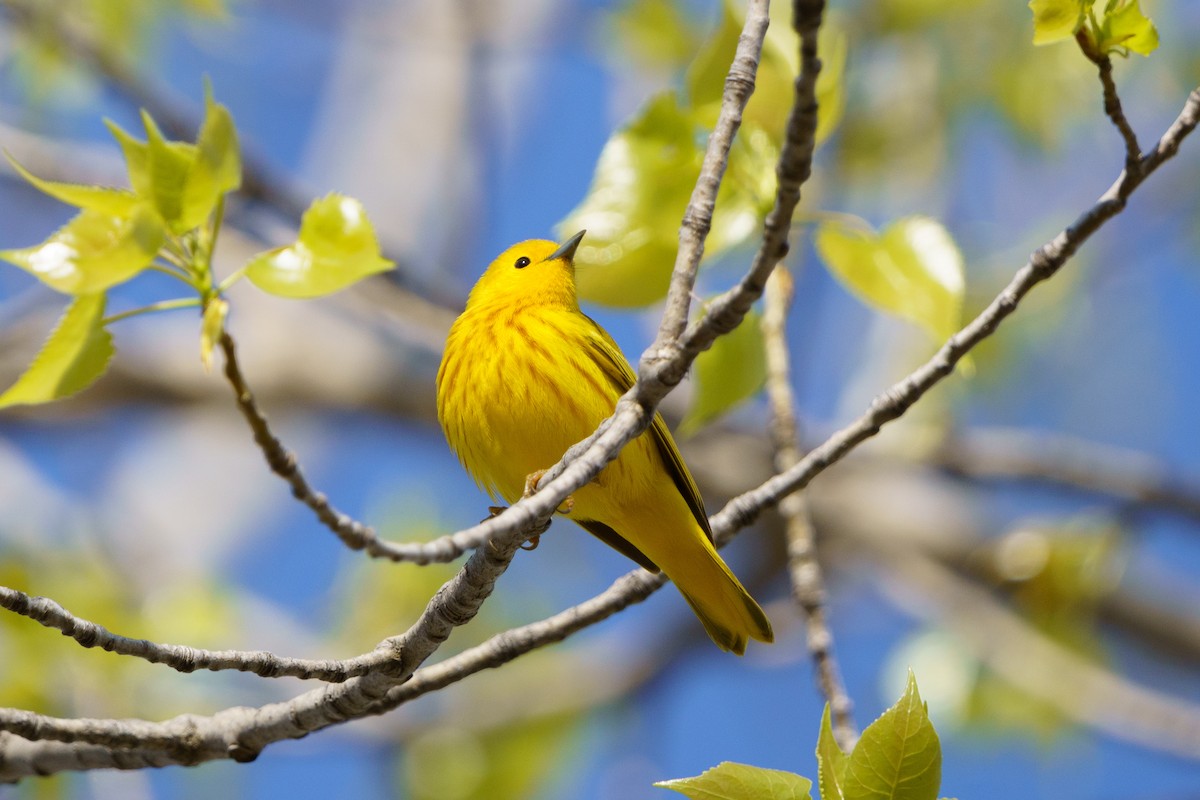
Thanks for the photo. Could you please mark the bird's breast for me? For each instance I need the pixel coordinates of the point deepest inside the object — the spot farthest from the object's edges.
(515, 390)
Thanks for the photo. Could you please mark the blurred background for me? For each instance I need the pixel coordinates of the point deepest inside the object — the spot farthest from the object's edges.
(1026, 538)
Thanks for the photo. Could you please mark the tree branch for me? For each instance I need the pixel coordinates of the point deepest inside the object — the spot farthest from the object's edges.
(808, 583)
(1112, 102)
(188, 659)
(283, 463)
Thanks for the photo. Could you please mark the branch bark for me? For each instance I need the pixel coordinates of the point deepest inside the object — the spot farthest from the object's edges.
(804, 568)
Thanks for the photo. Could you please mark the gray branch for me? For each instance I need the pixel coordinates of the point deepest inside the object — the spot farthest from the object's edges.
(187, 659)
(804, 568)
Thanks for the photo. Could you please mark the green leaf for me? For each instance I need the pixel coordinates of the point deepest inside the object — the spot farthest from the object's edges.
(1125, 27)
(76, 354)
(117, 202)
(831, 761)
(93, 251)
(913, 269)
(641, 187)
(216, 169)
(728, 373)
(1056, 20)
(210, 329)
(182, 181)
(898, 757)
(731, 781)
(336, 248)
(632, 211)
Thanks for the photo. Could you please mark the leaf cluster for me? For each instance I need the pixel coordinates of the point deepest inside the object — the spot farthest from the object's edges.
(899, 757)
(168, 221)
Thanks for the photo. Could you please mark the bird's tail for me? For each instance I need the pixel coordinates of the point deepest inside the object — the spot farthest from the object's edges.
(726, 609)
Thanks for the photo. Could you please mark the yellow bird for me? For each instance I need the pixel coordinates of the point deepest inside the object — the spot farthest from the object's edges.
(525, 375)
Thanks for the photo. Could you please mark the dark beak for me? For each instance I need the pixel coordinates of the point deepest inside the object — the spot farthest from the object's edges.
(567, 249)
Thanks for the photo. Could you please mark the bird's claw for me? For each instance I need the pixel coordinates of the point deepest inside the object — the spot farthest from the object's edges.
(531, 486)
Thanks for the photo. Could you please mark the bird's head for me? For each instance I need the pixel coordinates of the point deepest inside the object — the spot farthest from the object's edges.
(536, 271)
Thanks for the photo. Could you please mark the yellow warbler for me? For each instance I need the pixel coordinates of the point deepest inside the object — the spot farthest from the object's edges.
(526, 375)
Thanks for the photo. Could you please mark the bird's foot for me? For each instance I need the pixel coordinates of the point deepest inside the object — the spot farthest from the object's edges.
(534, 539)
(531, 486)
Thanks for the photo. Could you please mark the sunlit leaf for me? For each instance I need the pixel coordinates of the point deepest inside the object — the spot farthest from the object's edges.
(336, 248)
(184, 181)
(732, 781)
(93, 251)
(728, 373)
(211, 328)
(831, 761)
(913, 269)
(73, 358)
(216, 169)
(898, 757)
(157, 169)
(641, 187)
(632, 211)
(1127, 28)
(1056, 20)
(115, 202)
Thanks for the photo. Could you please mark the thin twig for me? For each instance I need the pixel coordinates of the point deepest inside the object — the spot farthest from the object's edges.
(808, 583)
(283, 463)
(697, 217)
(186, 659)
(1112, 102)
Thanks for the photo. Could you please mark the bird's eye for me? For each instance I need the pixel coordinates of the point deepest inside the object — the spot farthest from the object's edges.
(522, 263)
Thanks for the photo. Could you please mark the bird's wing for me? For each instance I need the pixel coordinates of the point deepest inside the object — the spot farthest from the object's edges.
(616, 369)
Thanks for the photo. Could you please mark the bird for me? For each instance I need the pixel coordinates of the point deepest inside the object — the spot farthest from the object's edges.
(526, 374)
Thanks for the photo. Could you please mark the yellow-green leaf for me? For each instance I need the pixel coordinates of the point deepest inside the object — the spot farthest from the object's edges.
(632, 211)
(913, 269)
(117, 202)
(211, 328)
(336, 248)
(1125, 27)
(183, 181)
(93, 251)
(216, 168)
(898, 757)
(1056, 20)
(75, 355)
(728, 373)
(732, 781)
(831, 761)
